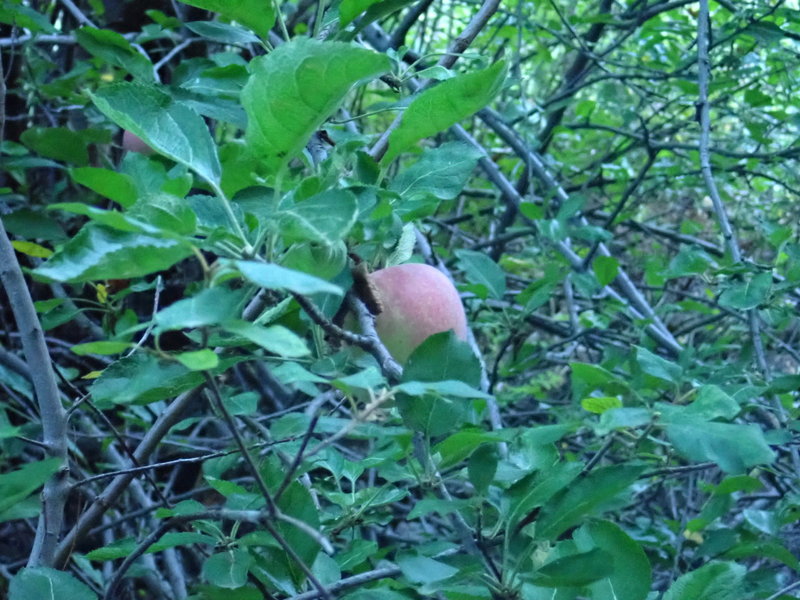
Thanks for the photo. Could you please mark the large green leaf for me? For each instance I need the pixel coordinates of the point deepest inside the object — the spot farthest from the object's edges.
(439, 174)
(748, 294)
(275, 277)
(44, 583)
(102, 253)
(434, 413)
(114, 186)
(258, 15)
(209, 307)
(324, 217)
(576, 570)
(714, 581)
(483, 272)
(350, 9)
(534, 490)
(19, 15)
(734, 447)
(631, 577)
(228, 569)
(168, 127)
(295, 88)
(142, 378)
(18, 485)
(656, 366)
(61, 143)
(422, 569)
(710, 403)
(113, 48)
(276, 339)
(437, 108)
(584, 496)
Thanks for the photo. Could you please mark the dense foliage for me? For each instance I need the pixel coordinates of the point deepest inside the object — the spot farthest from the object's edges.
(611, 184)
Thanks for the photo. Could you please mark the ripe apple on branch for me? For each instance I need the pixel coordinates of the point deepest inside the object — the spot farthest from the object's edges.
(412, 302)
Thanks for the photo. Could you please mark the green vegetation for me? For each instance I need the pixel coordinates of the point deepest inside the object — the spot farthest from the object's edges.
(194, 198)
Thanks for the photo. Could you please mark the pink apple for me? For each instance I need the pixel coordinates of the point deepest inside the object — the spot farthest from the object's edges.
(417, 301)
(133, 143)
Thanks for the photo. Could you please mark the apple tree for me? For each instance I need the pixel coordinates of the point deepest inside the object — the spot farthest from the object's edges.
(399, 299)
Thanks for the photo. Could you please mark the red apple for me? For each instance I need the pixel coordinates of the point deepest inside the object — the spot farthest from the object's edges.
(417, 301)
(133, 143)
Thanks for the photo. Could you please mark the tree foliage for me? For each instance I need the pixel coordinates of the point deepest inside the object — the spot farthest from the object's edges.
(611, 185)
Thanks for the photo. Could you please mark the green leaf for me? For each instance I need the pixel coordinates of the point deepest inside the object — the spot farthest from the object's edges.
(297, 502)
(114, 49)
(575, 570)
(365, 379)
(222, 32)
(690, 260)
(276, 339)
(275, 277)
(122, 548)
(58, 143)
(585, 495)
(622, 418)
(114, 550)
(431, 413)
(747, 294)
(321, 260)
(658, 367)
(167, 126)
(426, 362)
(376, 11)
(461, 444)
(19, 15)
(439, 174)
(44, 583)
(228, 569)
(101, 253)
(255, 14)
(734, 447)
(211, 306)
(443, 508)
(605, 269)
(169, 214)
(587, 378)
(601, 404)
(325, 218)
(33, 224)
(141, 379)
(375, 594)
(421, 569)
(537, 488)
(452, 388)
(102, 348)
(482, 467)
(714, 581)
(198, 360)
(109, 184)
(18, 485)
(631, 577)
(710, 403)
(350, 9)
(482, 270)
(437, 108)
(295, 88)
(112, 219)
